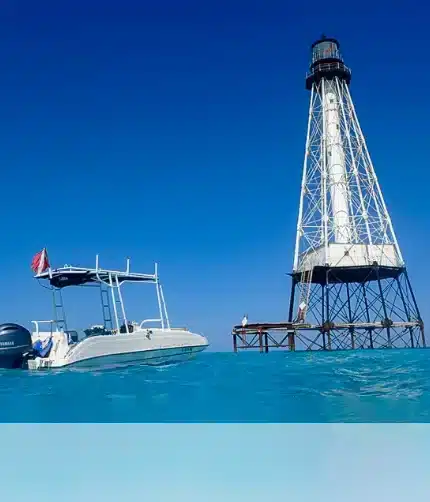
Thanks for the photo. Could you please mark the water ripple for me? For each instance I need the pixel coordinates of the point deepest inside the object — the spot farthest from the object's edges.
(362, 386)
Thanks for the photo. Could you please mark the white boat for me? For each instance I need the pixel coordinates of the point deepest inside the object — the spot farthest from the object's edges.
(120, 343)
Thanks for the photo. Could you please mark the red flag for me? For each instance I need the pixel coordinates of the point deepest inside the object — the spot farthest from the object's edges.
(40, 262)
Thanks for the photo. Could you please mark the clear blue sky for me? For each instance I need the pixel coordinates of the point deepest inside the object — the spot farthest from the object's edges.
(174, 131)
(232, 463)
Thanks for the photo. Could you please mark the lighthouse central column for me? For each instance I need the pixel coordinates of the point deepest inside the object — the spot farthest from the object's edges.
(336, 171)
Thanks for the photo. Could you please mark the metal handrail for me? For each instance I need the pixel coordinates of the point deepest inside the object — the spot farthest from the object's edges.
(36, 323)
(149, 320)
(327, 66)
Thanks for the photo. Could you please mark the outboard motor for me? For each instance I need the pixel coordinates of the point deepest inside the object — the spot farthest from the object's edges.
(15, 344)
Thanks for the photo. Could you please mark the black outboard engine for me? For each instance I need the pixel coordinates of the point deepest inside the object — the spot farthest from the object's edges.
(15, 344)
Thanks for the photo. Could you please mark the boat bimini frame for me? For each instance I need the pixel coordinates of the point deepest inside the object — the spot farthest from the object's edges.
(106, 280)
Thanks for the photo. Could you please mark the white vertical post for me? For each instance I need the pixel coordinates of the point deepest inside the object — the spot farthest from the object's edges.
(113, 301)
(97, 262)
(164, 307)
(336, 171)
(128, 265)
(157, 285)
(122, 304)
(324, 172)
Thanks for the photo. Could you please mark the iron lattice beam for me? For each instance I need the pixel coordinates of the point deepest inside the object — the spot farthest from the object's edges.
(263, 340)
(380, 313)
(343, 316)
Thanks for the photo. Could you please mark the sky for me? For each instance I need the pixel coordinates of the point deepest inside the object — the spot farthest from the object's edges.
(233, 463)
(174, 132)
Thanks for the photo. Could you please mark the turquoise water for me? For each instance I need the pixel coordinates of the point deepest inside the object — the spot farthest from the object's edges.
(361, 386)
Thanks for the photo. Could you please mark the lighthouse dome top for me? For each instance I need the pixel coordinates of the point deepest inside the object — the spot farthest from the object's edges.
(326, 49)
(323, 38)
(326, 63)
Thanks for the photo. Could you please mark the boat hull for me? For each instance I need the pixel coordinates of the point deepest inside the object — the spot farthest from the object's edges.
(156, 357)
(156, 348)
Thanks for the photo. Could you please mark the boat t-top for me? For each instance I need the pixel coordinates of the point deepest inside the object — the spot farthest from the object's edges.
(118, 342)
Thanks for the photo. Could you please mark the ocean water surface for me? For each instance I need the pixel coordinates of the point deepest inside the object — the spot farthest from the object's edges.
(353, 386)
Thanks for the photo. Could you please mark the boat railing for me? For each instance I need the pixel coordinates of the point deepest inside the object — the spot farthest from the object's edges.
(50, 322)
(147, 321)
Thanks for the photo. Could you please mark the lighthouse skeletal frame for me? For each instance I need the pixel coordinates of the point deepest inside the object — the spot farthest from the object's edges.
(350, 287)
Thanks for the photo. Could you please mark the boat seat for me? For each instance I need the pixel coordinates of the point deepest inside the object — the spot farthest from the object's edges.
(43, 348)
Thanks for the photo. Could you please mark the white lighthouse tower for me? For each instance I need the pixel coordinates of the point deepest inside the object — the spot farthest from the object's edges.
(350, 286)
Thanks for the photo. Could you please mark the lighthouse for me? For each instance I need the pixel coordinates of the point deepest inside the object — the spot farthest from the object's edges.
(350, 285)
